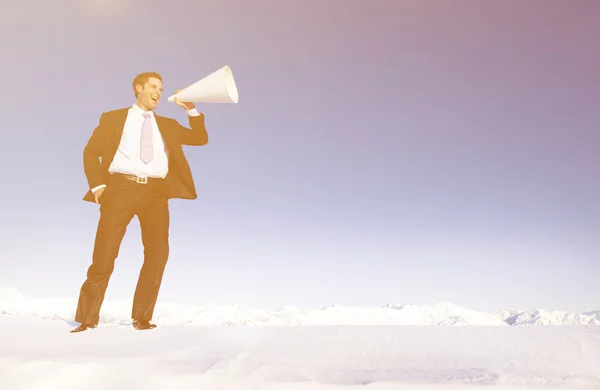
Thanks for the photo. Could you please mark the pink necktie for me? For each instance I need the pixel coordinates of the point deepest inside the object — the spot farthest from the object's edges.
(146, 148)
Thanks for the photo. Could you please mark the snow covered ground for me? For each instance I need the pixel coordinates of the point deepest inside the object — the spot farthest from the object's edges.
(42, 354)
(332, 348)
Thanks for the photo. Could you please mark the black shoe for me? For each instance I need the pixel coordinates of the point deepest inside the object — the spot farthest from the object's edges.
(143, 325)
(83, 327)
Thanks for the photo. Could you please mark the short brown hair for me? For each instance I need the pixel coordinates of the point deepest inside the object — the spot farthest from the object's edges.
(142, 78)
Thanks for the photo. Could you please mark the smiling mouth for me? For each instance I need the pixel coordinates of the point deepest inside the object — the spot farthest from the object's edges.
(154, 98)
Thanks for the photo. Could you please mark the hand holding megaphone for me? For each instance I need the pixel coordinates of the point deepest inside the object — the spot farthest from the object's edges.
(217, 87)
(187, 105)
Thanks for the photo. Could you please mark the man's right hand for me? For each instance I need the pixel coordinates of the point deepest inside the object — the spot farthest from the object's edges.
(98, 193)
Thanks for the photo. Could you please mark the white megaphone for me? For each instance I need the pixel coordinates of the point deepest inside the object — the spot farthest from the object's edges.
(217, 87)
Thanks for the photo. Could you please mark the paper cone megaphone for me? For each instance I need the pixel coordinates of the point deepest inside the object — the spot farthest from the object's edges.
(217, 87)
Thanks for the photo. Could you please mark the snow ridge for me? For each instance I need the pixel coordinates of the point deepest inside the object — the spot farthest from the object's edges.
(12, 302)
(543, 317)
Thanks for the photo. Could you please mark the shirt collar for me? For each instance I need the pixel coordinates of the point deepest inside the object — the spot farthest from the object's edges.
(137, 110)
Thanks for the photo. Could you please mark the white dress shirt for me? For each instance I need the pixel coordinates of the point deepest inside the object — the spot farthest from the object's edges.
(127, 159)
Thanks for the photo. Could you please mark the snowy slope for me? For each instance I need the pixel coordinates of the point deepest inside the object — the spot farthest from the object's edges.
(42, 354)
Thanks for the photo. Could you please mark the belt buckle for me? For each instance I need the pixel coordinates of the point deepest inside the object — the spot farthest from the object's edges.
(141, 180)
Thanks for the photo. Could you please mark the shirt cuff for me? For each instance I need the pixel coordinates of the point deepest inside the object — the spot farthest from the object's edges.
(97, 188)
(193, 112)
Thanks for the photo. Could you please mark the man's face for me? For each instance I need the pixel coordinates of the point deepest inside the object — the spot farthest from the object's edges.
(149, 94)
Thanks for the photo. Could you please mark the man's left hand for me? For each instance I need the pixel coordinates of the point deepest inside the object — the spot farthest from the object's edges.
(186, 105)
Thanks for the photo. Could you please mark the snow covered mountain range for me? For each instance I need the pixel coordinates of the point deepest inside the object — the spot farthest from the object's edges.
(12, 302)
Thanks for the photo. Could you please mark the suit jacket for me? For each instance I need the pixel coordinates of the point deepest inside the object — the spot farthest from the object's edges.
(106, 137)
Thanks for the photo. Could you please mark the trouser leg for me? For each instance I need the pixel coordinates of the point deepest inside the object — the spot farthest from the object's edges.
(115, 214)
(153, 215)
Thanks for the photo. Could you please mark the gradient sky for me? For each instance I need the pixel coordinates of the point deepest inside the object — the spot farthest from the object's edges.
(382, 151)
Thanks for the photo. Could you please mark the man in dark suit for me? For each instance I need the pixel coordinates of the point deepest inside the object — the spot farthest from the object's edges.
(142, 166)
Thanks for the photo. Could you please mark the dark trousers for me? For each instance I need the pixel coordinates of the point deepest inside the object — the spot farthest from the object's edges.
(121, 201)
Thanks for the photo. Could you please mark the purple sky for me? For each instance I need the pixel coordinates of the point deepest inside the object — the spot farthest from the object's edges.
(408, 151)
